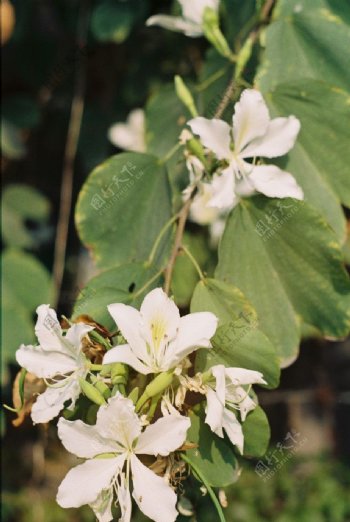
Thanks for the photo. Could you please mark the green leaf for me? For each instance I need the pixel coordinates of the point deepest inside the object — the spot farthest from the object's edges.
(288, 263)
(214, 457)
(237, 342)
(116, 285)
(256, 431)
(185, 275)
(12, 145)
(25, 285)
(305, 72)
(122, 207)
(21, 202)
(112, 21)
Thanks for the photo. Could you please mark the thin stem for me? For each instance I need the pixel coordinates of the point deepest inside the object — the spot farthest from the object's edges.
(226, 98)
(149, 282)
(73, 133)
(212, 79)
(194, 261)
(169, 154)
(210, 491)
(159, 238)
(183, 215)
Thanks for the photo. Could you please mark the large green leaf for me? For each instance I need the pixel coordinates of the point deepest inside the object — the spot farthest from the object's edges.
(20, 203)
(214, 457)
(122, 207)
(25, 285)
(238, 342)
(286, 260)
(256, 431)
(116, 285)
(305, 72)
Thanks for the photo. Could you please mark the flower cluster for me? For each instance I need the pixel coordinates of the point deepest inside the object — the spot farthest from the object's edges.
(238, 150)
(140, 394)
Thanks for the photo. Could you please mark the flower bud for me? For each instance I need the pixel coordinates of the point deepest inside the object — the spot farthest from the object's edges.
(91, 392)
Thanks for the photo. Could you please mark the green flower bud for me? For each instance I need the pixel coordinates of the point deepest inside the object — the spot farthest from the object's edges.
(155, 387)
(212, 32)
(91, 392)
(185, 95)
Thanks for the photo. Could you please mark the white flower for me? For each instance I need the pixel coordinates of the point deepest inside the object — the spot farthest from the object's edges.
(117, 438)
(129, 135)
(226, 394)
(158, 338)
(58, 358)
(254, 134)
(191, 23)
(223, 393)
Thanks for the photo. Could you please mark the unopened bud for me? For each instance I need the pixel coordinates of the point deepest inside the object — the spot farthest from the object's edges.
(91, 392)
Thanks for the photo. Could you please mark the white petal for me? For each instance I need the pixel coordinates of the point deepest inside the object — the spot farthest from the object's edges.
(174, 23)
(84, 440)
(233, 429)
(102, 506)
(223, 190)
(194, 10)
(124, 499)
(118, 421)
(129, 321)
(44, 363)
(280, 138)
(161, 318)
(75, 334)
(275, 183)
(124, 354)
(48, 329)
(243, 376)
(201, 212)
(195, 331)
(246, 405)
(214, 134)
(83, 484)
(250, 120)
(152, 494)
(51, 402)
(129, 135)
(164, 436)
(214, 412)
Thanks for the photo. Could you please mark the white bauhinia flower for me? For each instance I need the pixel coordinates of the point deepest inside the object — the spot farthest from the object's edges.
(224, 390)
(58, 358)
(111, 447)
(191, 22)
(253, 134)
(158, 338)
(130, 135)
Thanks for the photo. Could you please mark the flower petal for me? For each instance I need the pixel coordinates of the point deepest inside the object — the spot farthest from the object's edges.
(214, 412)
(275, 183)
(118, 421)
(240, 376)
(195, 331)
(223, 190)
(152, 494)
(124, 354)
(175, 23)
(44, 363)
(233, 429)
(124, 499)
(48, 329)
(201, 212)
(75, 334)
(51, 402)
(161, 315)
(129, 321)
(250, 120)
(194, 10)
(84, 440)
(214, 134)
(246, 405)
(167, 434)
(279, 138)
(83, 484)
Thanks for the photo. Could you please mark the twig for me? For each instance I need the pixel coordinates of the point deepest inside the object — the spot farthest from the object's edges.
(183, 215)
(73, 133)
(225, 99)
